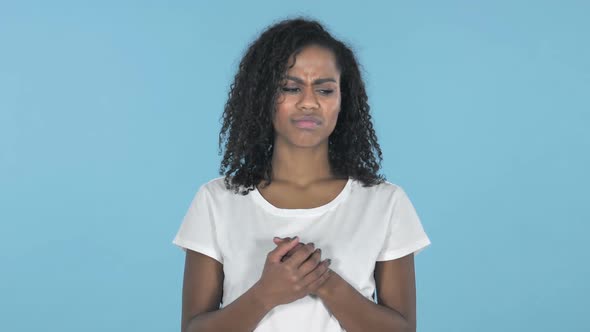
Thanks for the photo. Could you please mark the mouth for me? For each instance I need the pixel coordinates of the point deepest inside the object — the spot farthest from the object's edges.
(306, 124)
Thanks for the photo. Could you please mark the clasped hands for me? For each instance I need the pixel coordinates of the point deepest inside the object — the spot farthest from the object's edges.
(292, 271)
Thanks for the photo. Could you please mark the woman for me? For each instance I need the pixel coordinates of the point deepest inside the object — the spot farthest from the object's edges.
(301, 232)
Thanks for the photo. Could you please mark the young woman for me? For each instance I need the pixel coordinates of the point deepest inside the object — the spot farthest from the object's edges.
(301, 232)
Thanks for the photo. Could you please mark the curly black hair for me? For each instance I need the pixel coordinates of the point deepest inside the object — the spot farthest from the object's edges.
(248, 132)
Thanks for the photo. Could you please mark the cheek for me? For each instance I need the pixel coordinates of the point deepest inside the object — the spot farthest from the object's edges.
(333, 121)
(335, 110)
(281, 115)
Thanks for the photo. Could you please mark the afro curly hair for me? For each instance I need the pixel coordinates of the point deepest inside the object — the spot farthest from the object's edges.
(247, 130)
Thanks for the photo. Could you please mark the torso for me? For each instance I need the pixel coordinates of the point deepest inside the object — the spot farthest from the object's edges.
(288, 196)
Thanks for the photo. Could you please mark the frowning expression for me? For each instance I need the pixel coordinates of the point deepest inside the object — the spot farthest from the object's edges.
(309, 99)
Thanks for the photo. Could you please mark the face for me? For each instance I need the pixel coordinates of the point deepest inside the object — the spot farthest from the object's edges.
(309, 99)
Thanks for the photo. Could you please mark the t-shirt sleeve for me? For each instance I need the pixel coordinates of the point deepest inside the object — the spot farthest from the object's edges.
(405, 234)
(197, 231)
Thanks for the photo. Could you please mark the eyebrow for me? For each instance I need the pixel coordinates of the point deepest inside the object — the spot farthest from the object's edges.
(315, 82)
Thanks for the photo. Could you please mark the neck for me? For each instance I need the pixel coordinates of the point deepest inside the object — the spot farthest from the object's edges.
(300, 166)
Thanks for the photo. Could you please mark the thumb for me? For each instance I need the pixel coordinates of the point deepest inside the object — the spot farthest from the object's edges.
(278, 240)
(282, 249)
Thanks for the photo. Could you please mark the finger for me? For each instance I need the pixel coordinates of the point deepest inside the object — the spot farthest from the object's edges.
(317, 277)
(315, 286)
(278, 240)
(300, 255)
(290, 253)
(311, 263)
(277, 253)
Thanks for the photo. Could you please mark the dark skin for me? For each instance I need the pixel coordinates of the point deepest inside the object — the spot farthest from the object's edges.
(302, 179)
(396, 290)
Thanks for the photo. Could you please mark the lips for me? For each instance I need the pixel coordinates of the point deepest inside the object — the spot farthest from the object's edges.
(309, 118)
(307, 122)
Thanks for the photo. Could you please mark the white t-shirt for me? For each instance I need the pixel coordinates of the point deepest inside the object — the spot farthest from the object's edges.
(359, 227)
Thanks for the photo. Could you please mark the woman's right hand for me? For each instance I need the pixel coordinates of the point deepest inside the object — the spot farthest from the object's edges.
(295, 277)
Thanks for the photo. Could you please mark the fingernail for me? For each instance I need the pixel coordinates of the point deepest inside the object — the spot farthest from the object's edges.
(329, 261)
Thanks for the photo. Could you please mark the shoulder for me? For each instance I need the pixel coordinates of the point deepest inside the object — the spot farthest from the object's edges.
(216, 189)
(214, 185)
(386, 195)
(385, 190)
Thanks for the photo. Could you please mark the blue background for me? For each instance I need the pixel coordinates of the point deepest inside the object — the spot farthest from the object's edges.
(109, 119)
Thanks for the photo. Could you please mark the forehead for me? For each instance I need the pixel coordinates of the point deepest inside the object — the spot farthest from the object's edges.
(314, 61)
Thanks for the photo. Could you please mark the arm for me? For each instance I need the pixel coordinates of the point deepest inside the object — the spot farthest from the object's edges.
(280, 283)
(396, 291)
(201, 295)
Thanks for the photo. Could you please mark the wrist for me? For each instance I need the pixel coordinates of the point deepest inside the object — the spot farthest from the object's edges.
(260, 298)
(328, 287)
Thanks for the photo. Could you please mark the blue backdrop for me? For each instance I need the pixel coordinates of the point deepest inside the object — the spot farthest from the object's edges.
(109, 116)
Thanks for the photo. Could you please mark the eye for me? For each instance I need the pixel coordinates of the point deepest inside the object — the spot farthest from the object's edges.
(289, 89)
(326, 92)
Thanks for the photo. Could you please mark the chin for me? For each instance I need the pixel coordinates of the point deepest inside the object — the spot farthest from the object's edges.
(300, 140)
(306, 143)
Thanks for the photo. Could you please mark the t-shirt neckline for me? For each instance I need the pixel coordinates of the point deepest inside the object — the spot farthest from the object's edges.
(267, 206)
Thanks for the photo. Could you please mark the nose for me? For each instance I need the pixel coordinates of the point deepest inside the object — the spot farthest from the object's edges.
(308, 99)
